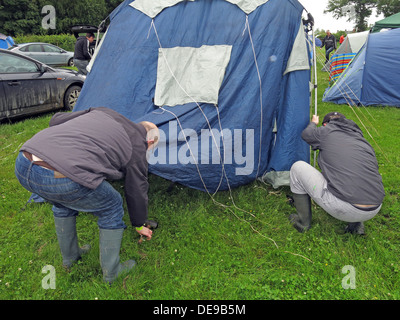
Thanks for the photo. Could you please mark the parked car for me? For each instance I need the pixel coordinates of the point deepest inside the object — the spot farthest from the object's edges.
(46, 53)
(28, 86)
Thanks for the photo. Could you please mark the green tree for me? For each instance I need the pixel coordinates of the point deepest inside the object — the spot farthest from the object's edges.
(19, 17)
(25, 16)
(357, 10)
(388, 7)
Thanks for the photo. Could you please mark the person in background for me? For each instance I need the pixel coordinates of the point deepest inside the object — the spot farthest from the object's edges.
(349, 186)
(69, 163)
(330, 44)
(82, 54)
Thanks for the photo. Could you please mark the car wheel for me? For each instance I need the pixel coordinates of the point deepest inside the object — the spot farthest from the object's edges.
(71, 96)
(71, 62)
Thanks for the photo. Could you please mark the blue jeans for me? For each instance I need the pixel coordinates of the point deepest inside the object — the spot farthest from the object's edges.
(69, 197)
(328, 52)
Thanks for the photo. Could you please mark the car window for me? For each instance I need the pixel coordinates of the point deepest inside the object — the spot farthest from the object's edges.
(48, 48)
(24, 49)
(35, 48)
(13, 64)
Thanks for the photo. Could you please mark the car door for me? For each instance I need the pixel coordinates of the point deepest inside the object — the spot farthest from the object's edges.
(35, 51)
(54, 55)
(28, 90)
(3, 104)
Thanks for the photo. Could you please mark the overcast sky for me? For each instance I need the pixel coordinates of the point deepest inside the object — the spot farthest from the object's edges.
(327, 21)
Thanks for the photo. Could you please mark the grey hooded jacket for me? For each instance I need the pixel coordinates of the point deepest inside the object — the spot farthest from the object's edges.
(347, 161)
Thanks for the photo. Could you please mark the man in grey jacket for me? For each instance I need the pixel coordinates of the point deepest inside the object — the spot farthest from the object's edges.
(349, 186)
(69, 163)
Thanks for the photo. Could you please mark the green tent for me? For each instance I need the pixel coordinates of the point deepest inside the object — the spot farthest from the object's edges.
(390, 22)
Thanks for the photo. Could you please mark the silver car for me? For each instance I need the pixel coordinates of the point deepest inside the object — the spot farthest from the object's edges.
(46, 53)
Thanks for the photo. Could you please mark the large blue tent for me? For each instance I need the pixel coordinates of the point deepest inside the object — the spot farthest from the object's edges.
(227, 83)
(372, 77)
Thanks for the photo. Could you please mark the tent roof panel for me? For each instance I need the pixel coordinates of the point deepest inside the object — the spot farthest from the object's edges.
(153, 8)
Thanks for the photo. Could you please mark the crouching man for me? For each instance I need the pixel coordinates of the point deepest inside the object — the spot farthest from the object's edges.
(68, 164)
(349, 186)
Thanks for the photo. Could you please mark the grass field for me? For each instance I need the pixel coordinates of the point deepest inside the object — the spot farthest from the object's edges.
(208, 248)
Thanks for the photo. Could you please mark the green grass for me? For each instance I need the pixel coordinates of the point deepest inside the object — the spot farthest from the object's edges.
(207, 249)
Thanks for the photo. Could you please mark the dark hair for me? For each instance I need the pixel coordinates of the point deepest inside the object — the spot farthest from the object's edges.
(332, 115)
(89, 35)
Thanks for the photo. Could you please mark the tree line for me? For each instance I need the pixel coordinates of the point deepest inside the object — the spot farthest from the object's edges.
(20, 17)
(358, 11)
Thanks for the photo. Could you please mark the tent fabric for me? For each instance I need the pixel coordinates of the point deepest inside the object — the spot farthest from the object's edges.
(299, 59)
(200, 72)
(210, 146)
(338, 63)
(345, 53)
(372, 76)
(390, 22)
(153, 8)
(6, 41)
(353, 42)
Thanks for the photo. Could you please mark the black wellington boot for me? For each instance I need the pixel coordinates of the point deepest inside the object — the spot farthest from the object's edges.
(355, 228)
(302, 220)
(68, 240)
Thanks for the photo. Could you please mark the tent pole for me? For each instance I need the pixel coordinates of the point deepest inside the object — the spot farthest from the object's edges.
(315, 84)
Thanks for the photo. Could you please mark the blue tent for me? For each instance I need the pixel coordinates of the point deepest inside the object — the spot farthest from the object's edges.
(372, 77)
(227, 83)
(6, 41)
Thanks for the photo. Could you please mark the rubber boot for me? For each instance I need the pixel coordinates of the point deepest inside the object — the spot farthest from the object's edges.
(355, 228)
(302, 220)
(68, 240)
(110, 245)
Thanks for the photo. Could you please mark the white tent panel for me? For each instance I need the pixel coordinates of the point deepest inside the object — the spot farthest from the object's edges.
(357, 40)
(248, 6)
(153, 7)
(298, 59)
(186, 74)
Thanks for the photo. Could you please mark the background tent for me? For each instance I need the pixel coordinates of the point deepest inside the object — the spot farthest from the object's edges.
(346, 51)
(6, 41)
(391, 22)
(227, 82)
(372, 77)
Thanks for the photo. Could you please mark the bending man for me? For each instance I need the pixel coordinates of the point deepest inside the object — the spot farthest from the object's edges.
(68, 165)
(349, 187)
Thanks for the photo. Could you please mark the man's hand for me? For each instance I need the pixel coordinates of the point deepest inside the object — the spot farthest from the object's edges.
(146, 232)
(315, 119)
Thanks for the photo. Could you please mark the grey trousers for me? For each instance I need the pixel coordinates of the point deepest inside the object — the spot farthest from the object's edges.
(81, 65)
(305, 179)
